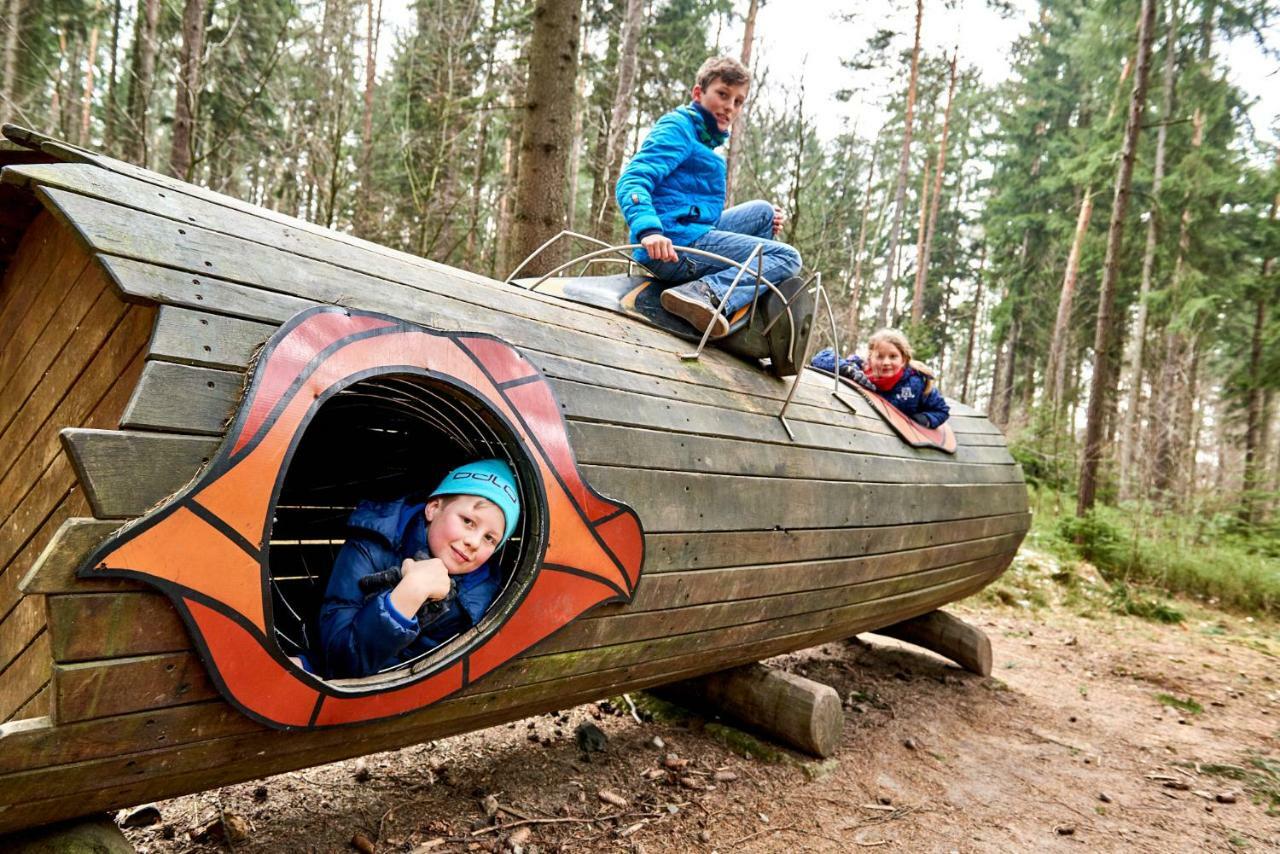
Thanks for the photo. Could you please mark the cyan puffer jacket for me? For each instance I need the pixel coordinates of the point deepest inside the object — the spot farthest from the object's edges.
(675, 184)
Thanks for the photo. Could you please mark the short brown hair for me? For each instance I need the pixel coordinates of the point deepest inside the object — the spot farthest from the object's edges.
(724, 68)
(894, 338)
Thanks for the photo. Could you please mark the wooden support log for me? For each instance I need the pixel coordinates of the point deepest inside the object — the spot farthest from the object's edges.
(948, 636)
(89, 835)
(800, 712)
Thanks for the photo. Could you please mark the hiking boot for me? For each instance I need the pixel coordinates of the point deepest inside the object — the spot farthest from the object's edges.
(696, 304)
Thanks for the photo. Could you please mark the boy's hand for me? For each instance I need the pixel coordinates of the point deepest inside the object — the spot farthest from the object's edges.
(660, 247)
(779, 219)
(423, 581)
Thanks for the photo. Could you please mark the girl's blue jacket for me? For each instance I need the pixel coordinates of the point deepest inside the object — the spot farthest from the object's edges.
(675, 184)
(913, 395)
(362, 634)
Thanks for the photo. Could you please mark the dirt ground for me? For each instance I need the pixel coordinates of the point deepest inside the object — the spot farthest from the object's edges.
(1096, 732)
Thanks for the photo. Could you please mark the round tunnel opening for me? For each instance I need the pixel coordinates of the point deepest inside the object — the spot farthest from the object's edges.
(380, 439)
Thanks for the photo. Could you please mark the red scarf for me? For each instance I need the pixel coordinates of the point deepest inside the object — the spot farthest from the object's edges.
(886, 384)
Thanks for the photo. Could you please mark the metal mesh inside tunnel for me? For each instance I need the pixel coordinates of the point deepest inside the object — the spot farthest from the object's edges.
(380, 439)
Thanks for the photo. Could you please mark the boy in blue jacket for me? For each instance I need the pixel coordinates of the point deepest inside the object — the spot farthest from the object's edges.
(429, 565)
(672, 193)
(889, 371)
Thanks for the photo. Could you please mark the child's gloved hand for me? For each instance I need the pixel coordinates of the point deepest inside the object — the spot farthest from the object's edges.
(922, 419)
(429, 576)
(852, 372)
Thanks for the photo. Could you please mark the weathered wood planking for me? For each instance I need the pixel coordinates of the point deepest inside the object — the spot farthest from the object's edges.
(54, 569)
(110, 625)
(683, 629)
(126, 473)
(142, 236)
(186, 399)
(169, 770)
(23, 679)
(191, 338)
(113, 368)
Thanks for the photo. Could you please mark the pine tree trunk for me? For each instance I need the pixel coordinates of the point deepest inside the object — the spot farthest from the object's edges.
(973, 327)
(1055, 372)
(732, 157)
(1098, 391)
(1255, 423)
(541, 204)
(904, 161)
(922, 268)
(1175, 371)
(86, 99)
(12, 38)
(575, 141)
(917, 295)
(113, 107)
(185, 106)
(142, 72)
(1130, 436)
(619, 117)
(364, 199)
(855, 297)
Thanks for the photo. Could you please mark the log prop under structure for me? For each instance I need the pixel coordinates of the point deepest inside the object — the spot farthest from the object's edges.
(137, 315)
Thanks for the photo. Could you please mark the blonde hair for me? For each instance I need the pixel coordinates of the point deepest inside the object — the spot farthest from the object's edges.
(894, 338)
(725, 68)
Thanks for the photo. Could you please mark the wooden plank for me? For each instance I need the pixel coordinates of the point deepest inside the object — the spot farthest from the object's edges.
(715, 502)
(23, 679)
(36, 253)
(19, 628)
(141, 776)
(99, 689)
(126, 473)
(107, 340)
(667, 552)
(63, 297)
(208, 340)
(12, 575)
(147, 283)
(54, 570)
(676, 629)
(84, 628)
(201, 253)
(103, 625)
(38, 706)
(192, 220)
(43, 490)
(188, 338)
(607, 444)
(181, 398)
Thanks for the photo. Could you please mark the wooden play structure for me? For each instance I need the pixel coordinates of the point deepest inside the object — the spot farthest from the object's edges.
(195, 391)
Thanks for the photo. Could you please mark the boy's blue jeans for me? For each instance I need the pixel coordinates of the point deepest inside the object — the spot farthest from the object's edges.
(739, 231)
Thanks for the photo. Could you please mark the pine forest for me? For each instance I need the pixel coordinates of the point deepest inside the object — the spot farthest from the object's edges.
(1085, 246)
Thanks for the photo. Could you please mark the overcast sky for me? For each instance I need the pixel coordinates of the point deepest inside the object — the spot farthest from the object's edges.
(809, 38)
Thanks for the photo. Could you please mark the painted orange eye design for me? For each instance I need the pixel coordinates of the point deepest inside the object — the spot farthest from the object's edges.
(207, 547)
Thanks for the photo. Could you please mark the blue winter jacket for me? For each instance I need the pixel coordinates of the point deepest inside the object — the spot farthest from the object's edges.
(675, 183)
(361, 635)
(913, 395)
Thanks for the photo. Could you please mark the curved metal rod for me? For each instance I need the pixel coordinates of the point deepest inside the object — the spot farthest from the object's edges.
(568, 233)
(819, 291)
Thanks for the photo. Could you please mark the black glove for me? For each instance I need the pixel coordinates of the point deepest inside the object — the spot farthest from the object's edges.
(922, 419)
(850, 371)
(376, 582)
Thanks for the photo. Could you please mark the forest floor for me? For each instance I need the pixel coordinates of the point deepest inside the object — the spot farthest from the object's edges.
(1096, 732)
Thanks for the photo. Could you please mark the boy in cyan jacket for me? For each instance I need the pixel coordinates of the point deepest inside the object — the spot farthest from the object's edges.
(441, 549)
(672, 193)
